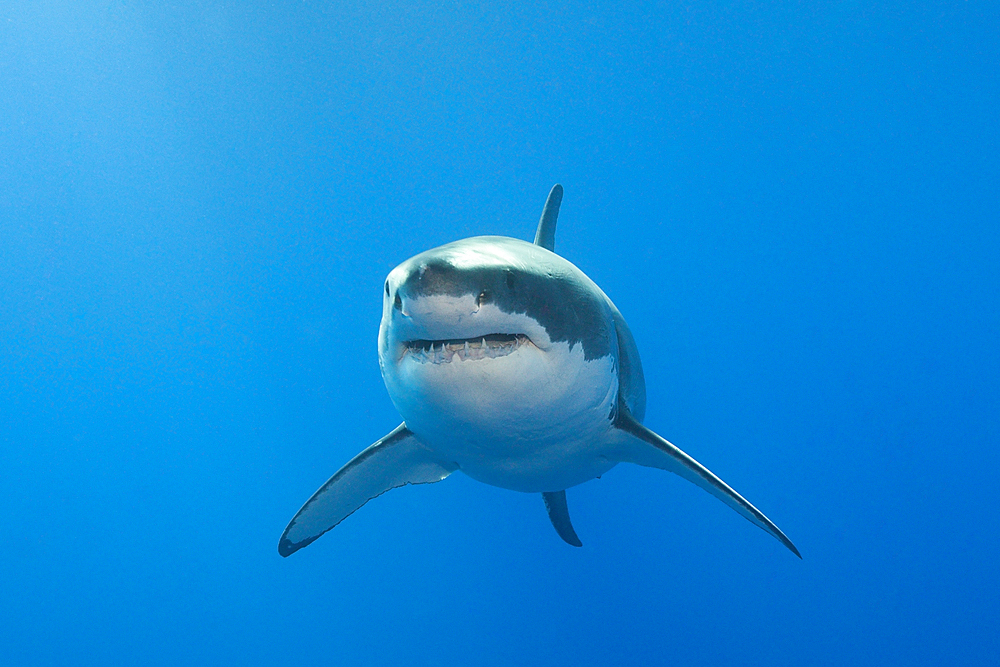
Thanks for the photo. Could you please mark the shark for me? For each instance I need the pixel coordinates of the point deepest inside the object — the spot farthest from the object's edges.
(508, 364)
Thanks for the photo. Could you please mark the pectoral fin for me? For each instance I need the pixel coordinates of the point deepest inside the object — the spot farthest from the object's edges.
(646, 448)
(555, 504)
(396, 460)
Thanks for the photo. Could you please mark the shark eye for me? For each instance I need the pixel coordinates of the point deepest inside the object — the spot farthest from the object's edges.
(398, 303)
(483, 297)
(510, 280)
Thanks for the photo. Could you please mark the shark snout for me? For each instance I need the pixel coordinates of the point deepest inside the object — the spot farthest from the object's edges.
(435, 312)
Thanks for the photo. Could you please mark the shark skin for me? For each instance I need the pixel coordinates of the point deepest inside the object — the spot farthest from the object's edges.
(510, 365)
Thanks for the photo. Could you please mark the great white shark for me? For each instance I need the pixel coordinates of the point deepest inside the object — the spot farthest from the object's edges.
(510, 365)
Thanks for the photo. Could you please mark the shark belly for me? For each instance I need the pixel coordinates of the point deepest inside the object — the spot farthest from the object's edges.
(548, 467)
(527, 421)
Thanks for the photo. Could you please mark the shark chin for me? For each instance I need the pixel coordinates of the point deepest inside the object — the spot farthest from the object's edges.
(506, 363)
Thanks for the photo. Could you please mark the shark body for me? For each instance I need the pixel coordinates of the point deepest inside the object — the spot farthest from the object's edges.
(509, 364)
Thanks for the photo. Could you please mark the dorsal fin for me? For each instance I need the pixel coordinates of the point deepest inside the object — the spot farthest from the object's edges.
(546, 234)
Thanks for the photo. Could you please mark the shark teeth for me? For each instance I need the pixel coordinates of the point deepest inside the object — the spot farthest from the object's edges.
(490, 346)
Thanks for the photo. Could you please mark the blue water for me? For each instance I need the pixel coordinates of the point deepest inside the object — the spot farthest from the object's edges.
(795, 205)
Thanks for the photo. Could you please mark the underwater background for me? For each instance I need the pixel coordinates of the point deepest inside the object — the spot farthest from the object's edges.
(794, 205)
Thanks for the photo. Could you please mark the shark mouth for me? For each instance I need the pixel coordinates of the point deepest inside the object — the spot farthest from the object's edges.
(489, 346)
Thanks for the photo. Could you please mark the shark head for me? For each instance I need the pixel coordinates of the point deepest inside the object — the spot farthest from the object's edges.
(489, 337)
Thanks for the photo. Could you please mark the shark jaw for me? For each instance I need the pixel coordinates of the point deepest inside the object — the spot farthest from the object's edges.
(490, 346)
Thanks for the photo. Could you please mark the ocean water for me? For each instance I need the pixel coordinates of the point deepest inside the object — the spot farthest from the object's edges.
(794, 205)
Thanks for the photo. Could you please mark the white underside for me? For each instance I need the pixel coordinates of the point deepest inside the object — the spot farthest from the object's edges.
(513, 415)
